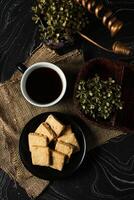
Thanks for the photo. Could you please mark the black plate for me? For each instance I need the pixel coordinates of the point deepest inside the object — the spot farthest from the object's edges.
(47, 172)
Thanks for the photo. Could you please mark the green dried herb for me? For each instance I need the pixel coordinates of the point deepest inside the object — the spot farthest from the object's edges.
(99, 98)
(58, 20)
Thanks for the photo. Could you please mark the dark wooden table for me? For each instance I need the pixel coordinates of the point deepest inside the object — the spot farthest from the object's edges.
(108, 173)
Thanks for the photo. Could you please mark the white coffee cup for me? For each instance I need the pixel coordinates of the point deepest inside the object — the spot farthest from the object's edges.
(25, 77)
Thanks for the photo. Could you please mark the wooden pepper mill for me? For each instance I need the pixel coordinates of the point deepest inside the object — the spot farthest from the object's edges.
(104, 14)
(110, 21)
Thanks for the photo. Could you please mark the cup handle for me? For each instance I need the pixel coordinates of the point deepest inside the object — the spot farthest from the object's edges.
(21, 67)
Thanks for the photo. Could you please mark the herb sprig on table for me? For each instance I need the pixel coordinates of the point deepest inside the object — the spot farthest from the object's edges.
(58, 20)
(99, 98)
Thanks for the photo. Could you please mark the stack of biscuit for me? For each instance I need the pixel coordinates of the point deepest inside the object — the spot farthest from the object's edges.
(64, 139)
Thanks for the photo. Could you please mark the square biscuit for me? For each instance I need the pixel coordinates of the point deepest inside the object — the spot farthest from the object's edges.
(44, 129)
(69, 137)
(40, 156)
(58, 160)
(37, 140)
(55, 125)
(65, 148)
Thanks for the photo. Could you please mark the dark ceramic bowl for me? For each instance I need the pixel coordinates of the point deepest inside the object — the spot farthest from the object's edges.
(124, 75)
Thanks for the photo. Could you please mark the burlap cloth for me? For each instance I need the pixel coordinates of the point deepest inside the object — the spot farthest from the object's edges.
(15, 112)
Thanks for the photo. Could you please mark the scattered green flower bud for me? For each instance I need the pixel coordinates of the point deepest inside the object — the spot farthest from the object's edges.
(99, 98)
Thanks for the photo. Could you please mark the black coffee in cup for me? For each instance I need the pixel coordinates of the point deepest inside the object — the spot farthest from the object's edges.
(43, 85)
